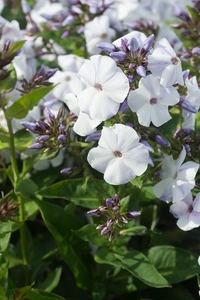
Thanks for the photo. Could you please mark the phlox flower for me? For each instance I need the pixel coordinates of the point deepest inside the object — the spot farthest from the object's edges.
(106, 87)
(164, 64)
(151, 100)
(96, 31)
(119, 155)
(177, 178)
(84, 125)
(187, 211)
(193, 98)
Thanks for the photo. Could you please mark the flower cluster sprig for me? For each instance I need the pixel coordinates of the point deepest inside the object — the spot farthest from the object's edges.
(53, 131)
(115, 218)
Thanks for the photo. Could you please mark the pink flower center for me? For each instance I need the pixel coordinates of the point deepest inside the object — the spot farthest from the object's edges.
(98, 87)
(174, 60)
(153, 101)
(104, 35)
(118, 153)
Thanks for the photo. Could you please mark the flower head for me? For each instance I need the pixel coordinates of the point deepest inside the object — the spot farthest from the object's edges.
(119, 155)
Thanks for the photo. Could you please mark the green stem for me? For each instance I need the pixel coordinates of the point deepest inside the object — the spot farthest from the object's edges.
(20, 199)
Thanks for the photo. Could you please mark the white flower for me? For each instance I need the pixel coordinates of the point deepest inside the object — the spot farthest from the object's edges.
(177, 178)
(187, 211)
(139, 36)
(107, 87)
(84, 125)
(96, 31)
(151, 100)
(119, 155)
(164, 64)
(193, 98)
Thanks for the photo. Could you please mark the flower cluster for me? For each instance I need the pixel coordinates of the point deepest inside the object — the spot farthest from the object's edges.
(115, 217)
(53, 131)
(8, 210)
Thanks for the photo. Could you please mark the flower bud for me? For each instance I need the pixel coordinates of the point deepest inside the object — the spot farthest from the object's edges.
(106, 47)
(118, 56)
(162, 141)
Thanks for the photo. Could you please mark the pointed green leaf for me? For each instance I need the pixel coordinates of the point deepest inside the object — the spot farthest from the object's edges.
(7, 84)
(20, 108)
(51, 281)
(175, 264)
(15, 47)
(89, 233)
(19, 294)
(136, 263)
(36, 294)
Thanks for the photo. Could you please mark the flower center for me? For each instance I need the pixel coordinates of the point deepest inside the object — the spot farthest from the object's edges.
(104, 35)
(98, 87)
(118, 153)
(190, 208)
(153, 101)
(68, 78)
(174, 60)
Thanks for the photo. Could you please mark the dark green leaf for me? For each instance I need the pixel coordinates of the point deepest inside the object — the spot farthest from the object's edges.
(27, 187)
(51, 281)
(7, 84)
(21, 293)
(2, 294)
(136, 263)
(89, 233)
(60, 224)
(20, 108)
(73, 190)
(22, 139)
(137, 230)
(36, 294)
(15, 47)
(175, 264)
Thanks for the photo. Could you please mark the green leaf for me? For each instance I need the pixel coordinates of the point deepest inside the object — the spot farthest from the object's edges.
(7, 84)
(2, 294)
(98, 291)
(15, 47)
(27, 187)
(194, 13)
(175, 264)
(36, 294)
(89, 233)
(73, 190)
(60, 224)
(5, 233)
(22, 139)
(137, 230)
(19, 294)
(20, 108)
(49, 154)
(51, 281)
(136, 263)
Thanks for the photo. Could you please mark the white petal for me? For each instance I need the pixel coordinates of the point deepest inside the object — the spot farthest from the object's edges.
(168, 167)
(179, 209)
(196, 204)
(85, 125)
(105, 68)
(189, 221)
(118, 173)
(181, 188)
(87, 73)
(99, 158)
(159, 114)
(144, 115)
(72, 102)
(163, 189)
(181, 158)
(137, 99)
(188, 170)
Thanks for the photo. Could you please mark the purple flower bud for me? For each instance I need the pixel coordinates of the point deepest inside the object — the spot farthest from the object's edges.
(118, 56)
(196, 50)
(105, 231)
(109, 202)
(106, 47)
(36, 146)
(46, 16)
(186, 32)
(94, 212)
(124, 45)
(110, 222)
(42, 125)
(30, 126)
(131, 78)
(124, 220)
(65, 34)
(50, 73)
(43, 138)
(176, 26)
(132, 214)
(115, 208)
(162, 141)
(133, 45)
(67, 171)
(116, 198)
(146, 46)
(141, 71)
(150, 161)
(103, 208)
(185, 74)
(146, 144)
(123, 106)
(62, 138)
(183, 15)
(187, 148)
(25, 7)
(177, 133)
(93, 137)
(187, 106)
(130, 124)
(131, 66)
(68, 20)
